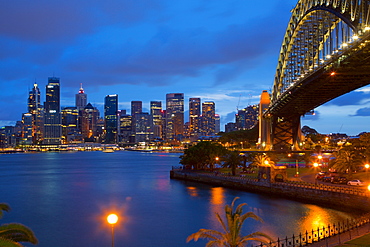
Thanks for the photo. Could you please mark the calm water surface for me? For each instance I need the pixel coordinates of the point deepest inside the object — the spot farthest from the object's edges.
(65, 197)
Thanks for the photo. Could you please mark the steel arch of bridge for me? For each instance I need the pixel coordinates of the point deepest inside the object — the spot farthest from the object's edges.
(322, 36)
(317, 30)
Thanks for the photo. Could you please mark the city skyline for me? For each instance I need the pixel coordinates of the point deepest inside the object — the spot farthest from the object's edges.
(221, 52)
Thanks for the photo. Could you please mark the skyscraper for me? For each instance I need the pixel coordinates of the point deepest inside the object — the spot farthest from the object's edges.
(208, 118)
(174, 116)
(89, 122)
(110, 117)
(81, 99)
(156, 113)
(194, 116)
(36, 110)
(136, 108)
(52, 122)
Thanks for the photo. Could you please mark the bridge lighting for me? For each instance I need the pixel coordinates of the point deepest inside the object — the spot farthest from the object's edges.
(355, 37)
(367, 28)
(332, 73)
(328, 56)
(344, 45)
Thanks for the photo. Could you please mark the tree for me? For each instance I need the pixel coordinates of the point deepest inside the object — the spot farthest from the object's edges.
(232, 160)
(203, 155)
(13, 233)
(262, 160)
(231, 237)
(346, 160)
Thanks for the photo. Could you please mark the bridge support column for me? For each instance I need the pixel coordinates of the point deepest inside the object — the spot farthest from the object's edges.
(264, 139)
(286, 133)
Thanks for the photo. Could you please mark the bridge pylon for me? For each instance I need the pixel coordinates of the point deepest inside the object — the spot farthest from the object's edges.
(277, 132)
(264, 138)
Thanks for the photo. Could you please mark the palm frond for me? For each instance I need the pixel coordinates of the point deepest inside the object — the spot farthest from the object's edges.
(17, 232)
(4, 207)
(9, 243)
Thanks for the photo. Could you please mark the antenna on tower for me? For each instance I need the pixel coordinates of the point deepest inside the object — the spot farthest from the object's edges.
(237, 107)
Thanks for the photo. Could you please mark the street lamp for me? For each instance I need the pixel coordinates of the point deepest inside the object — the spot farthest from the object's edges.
(367, 169)
(112, 219)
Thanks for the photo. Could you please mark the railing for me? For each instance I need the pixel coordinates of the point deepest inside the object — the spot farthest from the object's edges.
(320, 234)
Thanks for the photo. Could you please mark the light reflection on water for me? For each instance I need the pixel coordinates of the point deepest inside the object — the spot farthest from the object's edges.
(65, 197)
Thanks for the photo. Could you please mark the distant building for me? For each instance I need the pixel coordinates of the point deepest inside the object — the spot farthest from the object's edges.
(194, 117)
(247, 118)
(27, 123)
(156, 113)
(89, 123)
(125, 134)
(143, 127)
(81, 99)
(230, 127)
(70, 131)
(111, 119)
(217, 123)
(174, 116)
(208, 118)
(36, 109)
(52, 121)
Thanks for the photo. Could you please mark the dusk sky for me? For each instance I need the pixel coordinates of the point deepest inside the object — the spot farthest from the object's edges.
(221, 51)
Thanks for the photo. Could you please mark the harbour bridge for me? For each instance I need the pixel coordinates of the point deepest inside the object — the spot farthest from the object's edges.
(325, 53)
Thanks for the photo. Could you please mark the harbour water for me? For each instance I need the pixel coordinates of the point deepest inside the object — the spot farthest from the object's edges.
(65, 198)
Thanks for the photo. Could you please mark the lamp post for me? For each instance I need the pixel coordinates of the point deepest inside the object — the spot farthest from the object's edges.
(315, 165)
(367, 169)
(112, 219)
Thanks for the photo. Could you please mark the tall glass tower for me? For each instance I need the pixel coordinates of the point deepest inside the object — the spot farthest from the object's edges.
(35, 108)
(194, 116)
(52, 121)
(156, 113)
(174, 116)
(81, 99)
(111, 118)
(208, 118)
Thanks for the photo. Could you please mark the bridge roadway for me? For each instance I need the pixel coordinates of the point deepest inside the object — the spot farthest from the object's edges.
(341, 74)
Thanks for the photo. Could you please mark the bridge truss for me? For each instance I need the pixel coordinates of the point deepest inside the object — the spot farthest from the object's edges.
(323, 37)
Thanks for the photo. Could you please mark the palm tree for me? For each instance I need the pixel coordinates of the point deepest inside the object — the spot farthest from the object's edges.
(346, 160)
(13, 233)
(231, 237)
(232, 160)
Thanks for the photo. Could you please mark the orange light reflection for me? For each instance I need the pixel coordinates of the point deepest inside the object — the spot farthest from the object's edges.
(192, 191)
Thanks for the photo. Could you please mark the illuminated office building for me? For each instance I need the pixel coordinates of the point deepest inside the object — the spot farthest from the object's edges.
(81, 99)
(208, 118)
(52, 120)
(111, 118)
(194, 116)
(89, 123)
(174, 116)
(35, 108)
(70, 131)
(156, 113)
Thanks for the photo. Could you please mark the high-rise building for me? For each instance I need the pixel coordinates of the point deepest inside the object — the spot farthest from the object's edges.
(247, 118)
(208, 118)
(143, 127)
(136, 107)
(194, 116)
(52, 120)
(125, 134)
(70, 132)
(111, 118)
(174, 116)
(89, 122)
(81, 99)
(217, 123)
(27, 129)
(156, 113)
(35, 108)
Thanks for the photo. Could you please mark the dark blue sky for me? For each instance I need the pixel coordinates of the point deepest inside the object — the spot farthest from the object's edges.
(221, 51)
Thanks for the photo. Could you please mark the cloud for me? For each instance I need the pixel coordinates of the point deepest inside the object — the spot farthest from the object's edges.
(358, 97)
(362, 112)
(312, 117)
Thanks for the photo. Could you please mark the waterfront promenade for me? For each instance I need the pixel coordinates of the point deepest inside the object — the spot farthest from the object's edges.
(335, 234)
